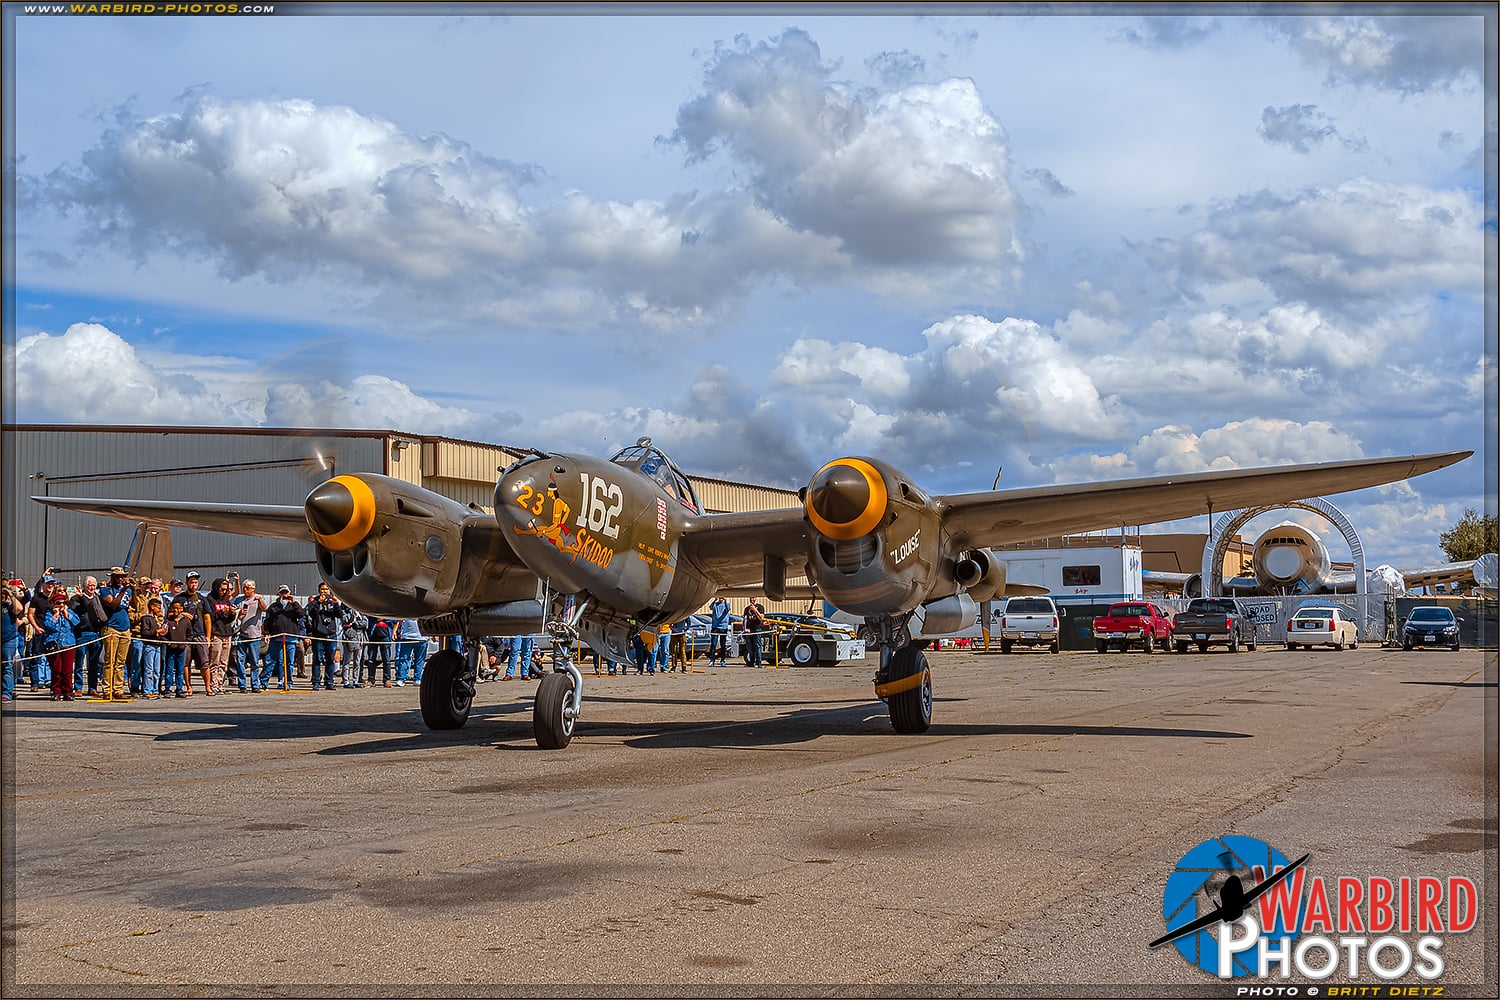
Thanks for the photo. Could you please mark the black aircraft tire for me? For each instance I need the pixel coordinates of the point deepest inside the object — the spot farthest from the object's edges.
(553, 730)
(911, 710)
(802, 653)
(445, 699)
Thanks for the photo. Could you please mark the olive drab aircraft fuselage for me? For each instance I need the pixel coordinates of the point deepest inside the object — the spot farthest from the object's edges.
(595, 550)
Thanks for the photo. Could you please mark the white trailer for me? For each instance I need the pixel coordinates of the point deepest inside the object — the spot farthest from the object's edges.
(1072, 575)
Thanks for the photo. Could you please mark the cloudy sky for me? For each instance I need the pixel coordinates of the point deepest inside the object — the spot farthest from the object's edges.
(1075, 246)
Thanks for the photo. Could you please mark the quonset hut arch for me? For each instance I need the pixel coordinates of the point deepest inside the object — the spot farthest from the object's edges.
(1229, 524)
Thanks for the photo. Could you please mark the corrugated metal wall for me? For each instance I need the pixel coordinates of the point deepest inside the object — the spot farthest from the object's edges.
(719, 496)
(215, 466)
(252, 465)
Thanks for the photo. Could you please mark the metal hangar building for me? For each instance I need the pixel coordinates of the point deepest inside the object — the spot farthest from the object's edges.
(236, 465)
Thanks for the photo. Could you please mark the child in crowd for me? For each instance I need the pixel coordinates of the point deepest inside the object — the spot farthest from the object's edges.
(152, 632)
(179, 633)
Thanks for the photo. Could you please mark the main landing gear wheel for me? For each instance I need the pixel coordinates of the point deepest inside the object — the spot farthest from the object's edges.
(908, 691)
(447, 691)
(551, 718)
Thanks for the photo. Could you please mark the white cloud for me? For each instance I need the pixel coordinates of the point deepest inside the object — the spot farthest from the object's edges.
(1299, 127)
(1239, 444)
(1024, 370)
(908, 177)
(293, 190)
(377, 402)
(1407, 54)
(818, 364)
(89, 374)
(1354, 248)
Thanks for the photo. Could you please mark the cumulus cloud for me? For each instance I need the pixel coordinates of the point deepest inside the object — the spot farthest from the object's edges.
(1239, 444)
(1048, 182)
(872, 186)
(292, 189)
(912, 176)
(896, 69)
(1299, 127)
(1354, 248)
(91, 374)
(1406, 54)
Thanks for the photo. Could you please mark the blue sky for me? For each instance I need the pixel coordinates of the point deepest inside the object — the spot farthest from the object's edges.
(1078, 246)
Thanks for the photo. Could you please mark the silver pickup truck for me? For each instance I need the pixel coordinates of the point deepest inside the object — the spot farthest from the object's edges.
(1029, 621)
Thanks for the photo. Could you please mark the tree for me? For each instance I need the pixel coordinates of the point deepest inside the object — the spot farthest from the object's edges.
(1471, 537)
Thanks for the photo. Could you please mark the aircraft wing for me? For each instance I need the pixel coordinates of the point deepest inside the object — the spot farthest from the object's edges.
(261, 520)
(732, 548)
(1464, 571)
(998, 518)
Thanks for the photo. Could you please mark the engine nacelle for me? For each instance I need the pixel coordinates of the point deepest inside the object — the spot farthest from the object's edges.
(873, 537)
(390, 548)
(982, 574)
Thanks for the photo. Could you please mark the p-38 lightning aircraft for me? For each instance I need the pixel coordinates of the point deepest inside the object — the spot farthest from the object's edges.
(594, 549)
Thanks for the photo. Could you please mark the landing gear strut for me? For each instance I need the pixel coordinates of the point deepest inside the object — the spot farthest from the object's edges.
(559, 698)
(903, 681)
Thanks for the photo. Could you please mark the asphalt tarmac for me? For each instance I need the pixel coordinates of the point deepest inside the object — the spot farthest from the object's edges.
(731, 832)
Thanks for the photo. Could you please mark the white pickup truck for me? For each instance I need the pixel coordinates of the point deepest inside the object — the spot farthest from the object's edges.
(1029, 621)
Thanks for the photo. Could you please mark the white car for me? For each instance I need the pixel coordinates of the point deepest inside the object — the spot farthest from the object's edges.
(1321, 626)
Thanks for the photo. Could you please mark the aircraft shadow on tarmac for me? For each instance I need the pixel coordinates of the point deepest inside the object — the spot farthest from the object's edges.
(510, 725)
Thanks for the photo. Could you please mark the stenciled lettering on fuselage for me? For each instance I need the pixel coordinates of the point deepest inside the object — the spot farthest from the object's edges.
(657, 559)
(580, 543)
(909, 546)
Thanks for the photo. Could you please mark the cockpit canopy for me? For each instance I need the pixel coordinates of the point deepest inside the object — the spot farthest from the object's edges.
(651, 462)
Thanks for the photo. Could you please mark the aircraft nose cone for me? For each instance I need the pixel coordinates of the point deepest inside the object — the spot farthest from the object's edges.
(330, 508)
(340, 512)
(1283, 563)
(846, 499)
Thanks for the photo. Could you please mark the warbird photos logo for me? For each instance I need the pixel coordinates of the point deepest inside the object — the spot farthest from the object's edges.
(1235, 906)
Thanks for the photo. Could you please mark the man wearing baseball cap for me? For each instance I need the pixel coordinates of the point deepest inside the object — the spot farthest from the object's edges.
(115, 599)
(195, 607)
(286, 624)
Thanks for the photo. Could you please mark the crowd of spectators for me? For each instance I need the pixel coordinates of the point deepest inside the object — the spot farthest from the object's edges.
(140, 637)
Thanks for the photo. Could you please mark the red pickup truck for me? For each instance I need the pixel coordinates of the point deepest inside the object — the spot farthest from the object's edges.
(1133, 622)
